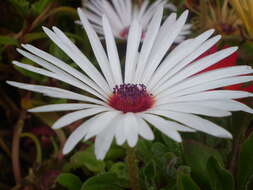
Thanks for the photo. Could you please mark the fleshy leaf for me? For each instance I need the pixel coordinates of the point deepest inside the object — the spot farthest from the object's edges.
(196, 156)
(245, 163)
(69, 181)
(87, 159)
(102, 182)
(219, 177)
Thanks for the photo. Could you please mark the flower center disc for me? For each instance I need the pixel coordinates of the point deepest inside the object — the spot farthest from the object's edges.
(131, 98)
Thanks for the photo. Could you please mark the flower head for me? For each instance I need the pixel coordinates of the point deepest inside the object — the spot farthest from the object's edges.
(152, 87)
(244, 8)
(214, 14)
(121, 14)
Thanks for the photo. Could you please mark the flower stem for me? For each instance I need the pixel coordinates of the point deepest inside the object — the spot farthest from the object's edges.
(15, 147)
(37, 145)
(133, 172)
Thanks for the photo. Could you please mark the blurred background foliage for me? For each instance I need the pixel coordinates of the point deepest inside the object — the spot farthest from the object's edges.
(30, 152)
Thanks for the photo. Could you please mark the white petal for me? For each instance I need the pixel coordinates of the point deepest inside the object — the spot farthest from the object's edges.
(157, 120)
(144, 130)
(163, 127)
(54, 92)
(214, 85)
(65, 67)
(158, 53)
(77, 136)
(62, 107)
(77, 56)
(103, 142)
(97, 49)
(112, 52)
(130, 125)
(101, 123)
(112, 16)
(208, 95)
(178, 54)
(199, 66)
(195, 122)
(230, 105)
(74, 116)
(213, 75)
(64, 77)
(195, 108)
(119, 130)
(148, 42)
(203, 48)
(133, 43)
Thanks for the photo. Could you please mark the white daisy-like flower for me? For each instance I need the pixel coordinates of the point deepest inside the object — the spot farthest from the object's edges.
(121, 14)
(153, 87)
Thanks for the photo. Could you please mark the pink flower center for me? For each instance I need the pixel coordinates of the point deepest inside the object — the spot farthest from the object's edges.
(131, 98)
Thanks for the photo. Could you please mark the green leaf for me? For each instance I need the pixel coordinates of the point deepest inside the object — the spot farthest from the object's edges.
(6, 40)
(150, 170)
(219, 177)
(196, 156)
(69, 181)
(22, 6)
(107, 181)
(171, 145)
(115, 152)
(40, 5)
(143, 150)
(185, 182)
(120, 169)
(87, 159)
(245, 163)
(34, 36)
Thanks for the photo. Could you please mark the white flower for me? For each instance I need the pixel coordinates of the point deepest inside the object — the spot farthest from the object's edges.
(121, 14)
(152, 85)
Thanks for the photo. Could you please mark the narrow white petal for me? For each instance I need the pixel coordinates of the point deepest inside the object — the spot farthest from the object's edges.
(101, 123)
(64, 77)
(199, 66)
(61, 107)
(148, 42)
(195, 122)
(74, 116)
(194, 108)
(112, 15)
(78, 57)
(77, 136)
(55, 92)
(178, 54)
(163, 127)
(65, 67)
(230, 105)
(133, 43)
(144, 130)
(157, 120)
(203, 48)
(97, 49)
(103, 142)
(119, 130)
(206, 77)
(208, 95)
(112, 52)
(158, 53)
(214, 85)
(130, 125)
(120, 12)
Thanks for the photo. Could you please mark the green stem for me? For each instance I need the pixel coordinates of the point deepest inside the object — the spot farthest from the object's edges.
(37, 145)
(133, 171)
(15, 147)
